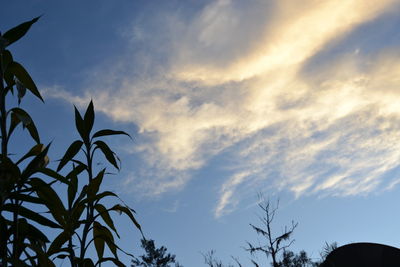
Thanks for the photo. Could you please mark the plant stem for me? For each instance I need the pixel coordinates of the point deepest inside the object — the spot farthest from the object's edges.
(3, 125)
(89, 211)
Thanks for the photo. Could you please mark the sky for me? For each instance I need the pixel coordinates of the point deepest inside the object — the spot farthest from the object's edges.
(297, 100)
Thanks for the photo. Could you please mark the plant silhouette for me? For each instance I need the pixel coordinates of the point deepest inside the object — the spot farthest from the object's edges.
(26, 183)
(154, 257)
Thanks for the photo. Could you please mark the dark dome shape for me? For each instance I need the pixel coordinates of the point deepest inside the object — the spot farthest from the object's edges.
(363, 255)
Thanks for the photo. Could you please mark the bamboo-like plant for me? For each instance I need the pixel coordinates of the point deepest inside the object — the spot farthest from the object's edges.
(26, 184)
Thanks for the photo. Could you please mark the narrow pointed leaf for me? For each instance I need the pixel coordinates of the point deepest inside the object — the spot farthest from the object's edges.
(29, 214)
(51, 199)
(27, 121)
(72, 189)
(76, 213)
(54, 174)
(72, 177)
(94, 185)
(103, 212)
(35, 164)
(128, 212)
(98, 240)
(101, 195)
(81, 196)
(14, 123)
(8, 76)
(10, 173)
(76, 171)
(108, 153)
(26, 198)
(23, 76)
(7, 58)
(80, 125)
(80, 163)
(19, 31)
(69, 154)
(31, 232)
(107, 236)
(116, 262)
(34, 151)
(89, 117)
(108, 132)
(58, 242)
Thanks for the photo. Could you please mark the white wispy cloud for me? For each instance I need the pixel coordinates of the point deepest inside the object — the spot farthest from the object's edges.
(233, 80)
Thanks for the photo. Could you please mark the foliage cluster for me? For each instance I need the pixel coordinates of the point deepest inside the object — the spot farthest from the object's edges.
(79, 217)
(154, 257)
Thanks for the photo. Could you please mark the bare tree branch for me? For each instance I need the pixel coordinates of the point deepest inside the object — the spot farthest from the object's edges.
(274, 245)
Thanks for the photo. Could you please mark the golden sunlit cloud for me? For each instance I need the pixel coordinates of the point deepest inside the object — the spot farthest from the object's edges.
(331, 130)
(299, 30)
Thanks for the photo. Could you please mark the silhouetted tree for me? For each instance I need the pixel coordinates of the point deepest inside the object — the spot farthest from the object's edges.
(327, 249)
(211, 261)
(154, 257)
(274, 245)
(290, 259)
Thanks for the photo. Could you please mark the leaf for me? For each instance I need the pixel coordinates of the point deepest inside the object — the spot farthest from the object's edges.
(7, 59)
(43, 259)
(21, 90)
(101, 195)
(106, 235)
(76, 171)
(72, 189)
(94, 185)
(54, 174)
(9, 173)
(34, 151)
(103, 212)
(128, 212)
(14, 123)
(108, 153)
(87, 263)
(19, 31)
(51, 199)
(8, 76)
(80, 163)
(31, 232)
(23, 76)
(98, 240)
(72, 177)
(26, 198)
(58, 242)
(116, 262)
(81, 196)
(29, 214)
(34, 165)
(27, 122)
(108, 132)
(80, 125)
(70, 153)
(89, 117)
(76, 213)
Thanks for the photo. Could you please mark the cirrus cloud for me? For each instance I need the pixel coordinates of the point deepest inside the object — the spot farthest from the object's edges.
(239, 82)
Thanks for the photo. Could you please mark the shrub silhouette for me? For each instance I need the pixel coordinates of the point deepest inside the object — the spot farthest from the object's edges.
(26, 184)
(154, 257)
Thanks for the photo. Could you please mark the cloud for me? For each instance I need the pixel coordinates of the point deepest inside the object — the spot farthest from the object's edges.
(238, 82)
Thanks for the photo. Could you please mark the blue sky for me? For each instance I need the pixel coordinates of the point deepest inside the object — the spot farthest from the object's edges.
(226, 99)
